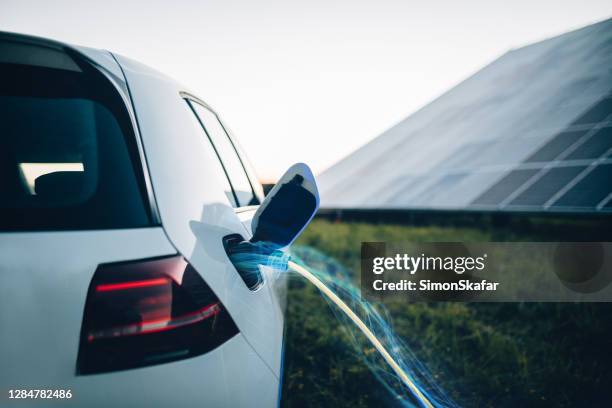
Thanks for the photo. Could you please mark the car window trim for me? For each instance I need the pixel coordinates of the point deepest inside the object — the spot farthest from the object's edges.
(189, 103)
(194, 99)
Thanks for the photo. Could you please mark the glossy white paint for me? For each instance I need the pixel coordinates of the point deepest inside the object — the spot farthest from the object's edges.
(44, 276)
(43, 284)
(194, 210)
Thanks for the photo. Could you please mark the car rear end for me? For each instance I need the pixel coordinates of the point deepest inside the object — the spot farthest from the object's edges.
(97, 305)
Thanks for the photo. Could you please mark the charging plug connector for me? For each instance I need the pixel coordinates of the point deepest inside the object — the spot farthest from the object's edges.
(247, 258)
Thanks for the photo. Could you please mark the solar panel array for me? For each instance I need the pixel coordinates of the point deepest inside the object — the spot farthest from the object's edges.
(531, 131)
(570, 172)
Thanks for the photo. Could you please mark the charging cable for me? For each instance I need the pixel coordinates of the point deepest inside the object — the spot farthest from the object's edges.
(248, 256)
(365, 330)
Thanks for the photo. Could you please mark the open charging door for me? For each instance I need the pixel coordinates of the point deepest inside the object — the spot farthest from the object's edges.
(279, 220)
(287, 209)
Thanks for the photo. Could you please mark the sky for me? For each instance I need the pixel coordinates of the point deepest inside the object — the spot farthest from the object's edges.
(307, 81)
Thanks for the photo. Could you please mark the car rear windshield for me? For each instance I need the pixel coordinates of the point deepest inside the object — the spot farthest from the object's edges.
(68, 155)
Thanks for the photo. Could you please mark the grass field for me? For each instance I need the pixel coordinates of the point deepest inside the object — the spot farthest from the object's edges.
(483, 355)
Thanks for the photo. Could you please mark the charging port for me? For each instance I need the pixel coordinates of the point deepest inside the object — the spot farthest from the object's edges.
(246, 259)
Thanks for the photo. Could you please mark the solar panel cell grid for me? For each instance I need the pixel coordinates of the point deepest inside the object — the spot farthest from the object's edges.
(502, 189)
(548, 185)
(597, 113)
(594, 147)
(589, 191)
(555, 147)
(522, 137)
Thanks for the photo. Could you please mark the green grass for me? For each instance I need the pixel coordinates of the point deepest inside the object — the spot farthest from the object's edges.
(483, 354)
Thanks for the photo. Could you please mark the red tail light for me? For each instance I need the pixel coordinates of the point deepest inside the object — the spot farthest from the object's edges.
(149, 312)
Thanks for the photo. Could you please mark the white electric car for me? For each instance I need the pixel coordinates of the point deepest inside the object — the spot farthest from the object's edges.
(121, 194)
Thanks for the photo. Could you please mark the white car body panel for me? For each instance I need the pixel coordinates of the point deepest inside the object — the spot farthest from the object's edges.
(44, 276)
(196, 226)
(46, 293)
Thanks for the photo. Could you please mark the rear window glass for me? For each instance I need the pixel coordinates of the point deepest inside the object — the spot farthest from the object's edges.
(68, 158)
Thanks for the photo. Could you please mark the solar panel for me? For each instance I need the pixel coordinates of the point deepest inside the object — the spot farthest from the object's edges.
(505, 129)
(555, 147)
(548, 185)
(594, 147)
(440, 188)
(589, 191)
(597, 113)
(502, 189)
